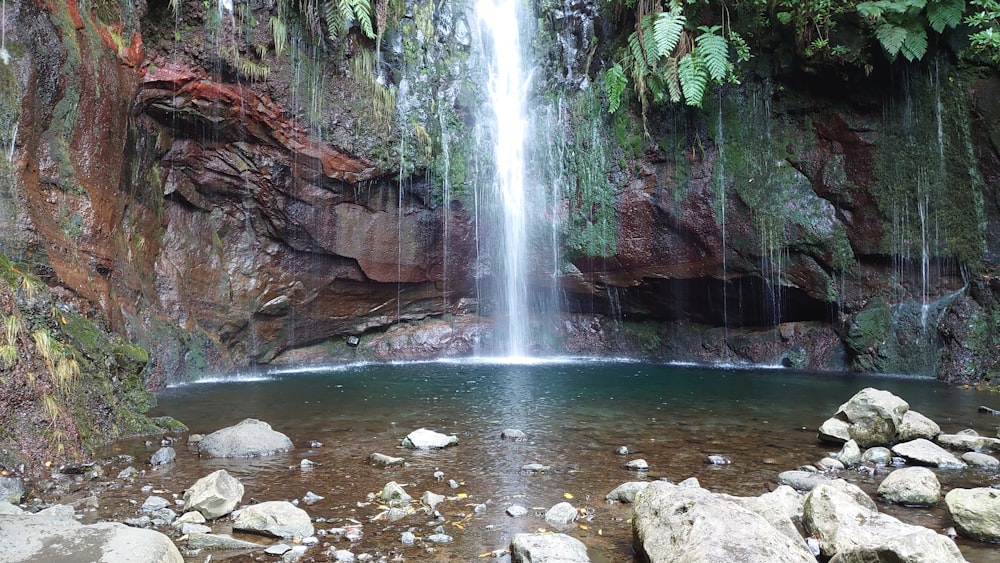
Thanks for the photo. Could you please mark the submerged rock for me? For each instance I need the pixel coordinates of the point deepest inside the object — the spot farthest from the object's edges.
(383, 460)
(249, 438)
(513, 435)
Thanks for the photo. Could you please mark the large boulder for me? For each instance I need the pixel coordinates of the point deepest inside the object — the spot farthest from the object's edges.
(782, 508)
(925, 452)
(970, 443)
(35, 537)
(851, 530)
(626, 491)
(277, 518)
(249, 438)
(873, 415)
(911, 486)
(214, 495)
(547, 548)
(802, 480)
(976, 512)
(691, 525)
(11, 490)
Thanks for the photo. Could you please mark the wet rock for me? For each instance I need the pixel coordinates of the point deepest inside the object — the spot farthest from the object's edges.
(687, 524)
(513, 435)
(189, 528)
(431, 500)
(716, 459)
(637, 465)
(163, 456)
(850, 454)
(440, 538)
(516, 511)
(802, 480)
(344, 556)
(782, 508)
(219, 541)
(534, 468)
(407, 538)
(393, 491)
(879, 456)
(560, 515)
(969, 442)
(829, 463)
(976, 512)
(143, 521)
(925, 452)
(982, 461)
(424, 439)
(690, 482)
(154, 503)
(193, 517)
(32, 537)
(8, 508)
(249, 438)
(311, 498)
(278, 549)
(214, 495)
(916, 425)
(276, 518)
(874, 416)
(128, 473)
(622, 450)
(911, 486)
(834, 430)
(11, 490)
(542, 548)
(626, 491)
(383, 460)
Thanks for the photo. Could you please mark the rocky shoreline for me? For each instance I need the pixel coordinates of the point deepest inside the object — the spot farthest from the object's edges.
(812, 513)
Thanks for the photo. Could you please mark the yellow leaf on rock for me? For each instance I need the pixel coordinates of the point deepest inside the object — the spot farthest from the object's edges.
(582, 527)
(462, 495)
(567, 496)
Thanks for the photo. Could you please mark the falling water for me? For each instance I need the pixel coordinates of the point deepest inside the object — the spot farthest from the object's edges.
(4, 54)
(499, 22)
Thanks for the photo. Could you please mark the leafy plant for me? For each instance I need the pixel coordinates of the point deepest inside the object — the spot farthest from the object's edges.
(986, 41)
(901, 25)
(45, 346)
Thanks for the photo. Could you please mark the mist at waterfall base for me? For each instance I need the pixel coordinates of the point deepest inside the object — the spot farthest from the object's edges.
(575, 414)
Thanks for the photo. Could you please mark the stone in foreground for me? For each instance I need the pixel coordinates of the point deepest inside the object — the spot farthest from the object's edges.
(31, 537)
(976, 512)
(675, 524)
(911, 486)
(249, 438)
(547, 548)
(424, 439)
(214, 495)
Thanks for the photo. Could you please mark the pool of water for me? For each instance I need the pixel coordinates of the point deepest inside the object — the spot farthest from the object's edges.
(576, 413)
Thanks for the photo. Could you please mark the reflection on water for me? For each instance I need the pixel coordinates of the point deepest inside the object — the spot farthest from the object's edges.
(576, 413)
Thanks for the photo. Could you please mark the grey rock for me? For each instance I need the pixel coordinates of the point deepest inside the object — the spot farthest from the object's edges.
(802, 480)
(716, 459)
(560, 515)
(33, 537)
(214, 495)
(513, 435)
(925, 452)
(163, 456)
(153, 504)
(637, 465)
(189, 528)
(277, 518)
(424, 439)
(835, 430)
(249, 438)
(622, 450)
(534, 468)
(976, 512)
(440, 538)
(626, 491)
(547, 548)
(693, 525)
(8, 508)
(690, 482)
(311, 498)
(128, 473)
(968, 442)
(850, 454)
(383, 460)
(278, 549)
(59, 511)
(916, 425)
(874, 416)
(219, 541)
(431, 500)
(393, 491)
(829, 463)
(11, 490)
(344, 556)
(143, 521)
(516, 511)
(985, 462)
(879, 455)
(193, 517)
(782, 508)
(911, 486)
(407, 538)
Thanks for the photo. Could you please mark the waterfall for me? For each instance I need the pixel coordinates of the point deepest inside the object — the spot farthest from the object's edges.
(507, 88)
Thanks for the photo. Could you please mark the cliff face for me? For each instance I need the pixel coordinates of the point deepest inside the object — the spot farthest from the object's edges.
(225, 201)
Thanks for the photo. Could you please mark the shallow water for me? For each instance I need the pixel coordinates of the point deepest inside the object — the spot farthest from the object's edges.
(576, 413)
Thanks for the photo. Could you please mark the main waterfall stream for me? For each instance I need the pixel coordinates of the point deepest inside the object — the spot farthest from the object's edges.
(575, 414)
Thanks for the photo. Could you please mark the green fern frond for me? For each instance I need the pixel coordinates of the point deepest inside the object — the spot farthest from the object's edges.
(279, 32)
(362, 10)
(945, 14)
(891, 37)
(667, 30)
(714, 51)
(640, 66)
(693, 78)
(871, 10)
(614, 86)
(334, 16)
(915, 44)
(672, 78)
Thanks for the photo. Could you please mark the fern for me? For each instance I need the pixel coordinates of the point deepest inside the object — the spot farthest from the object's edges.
(614, 86)
(945, 14)
(667, 30)
(363, 12)
(670, 76)
(334, 20)
(891, 37)
(915, 44)
(714, 51)
(693, 78)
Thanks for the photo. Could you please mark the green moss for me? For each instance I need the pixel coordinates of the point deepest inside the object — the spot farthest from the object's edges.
(869, 328)
(84, 334)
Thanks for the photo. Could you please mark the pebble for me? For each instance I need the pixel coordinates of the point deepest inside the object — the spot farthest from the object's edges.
(716, 459)
(278, 549)
(534, 468)
(637, 465)
(440, 538)
(453, 483)
(407, 538)
(311, 497)
(439, 475)
(622, 450)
